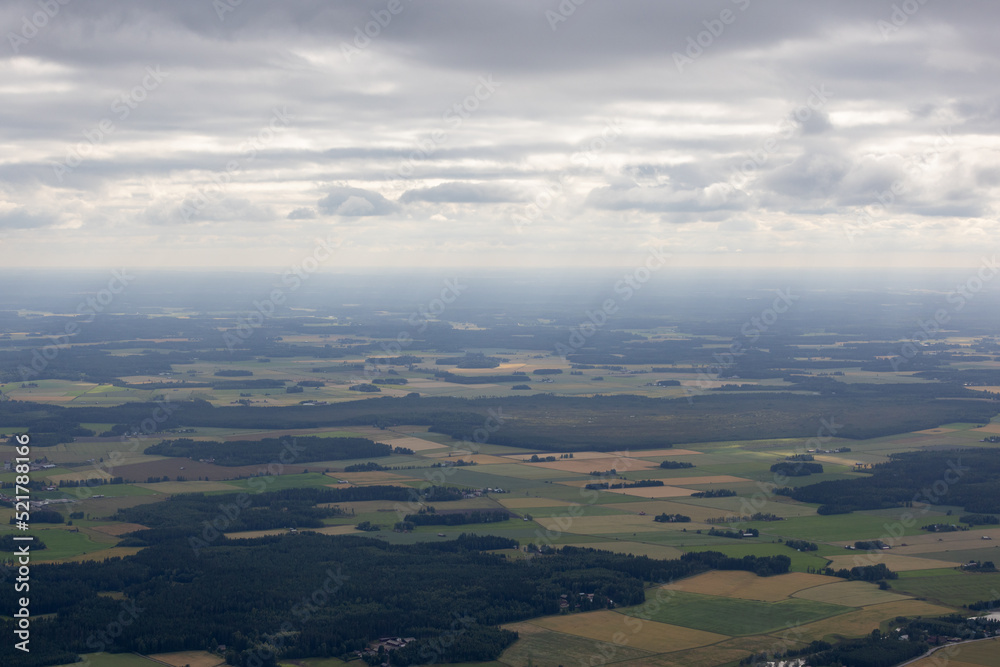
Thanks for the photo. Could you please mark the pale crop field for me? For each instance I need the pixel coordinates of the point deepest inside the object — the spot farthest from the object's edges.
(895, 562)
(863, 621)
(117, 529)
(584, 466)
(545, 648)
(607, 626)
(748, 586)
(194, 486)
(850, 594)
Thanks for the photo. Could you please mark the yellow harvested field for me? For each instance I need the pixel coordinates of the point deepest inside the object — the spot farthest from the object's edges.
(635, 548)
(984, 653)
(850, 594)
(993, 389)
(192, 658)
(118, 528)
(989, 428)
(748, 586)
(609, 626)
(863, 621)
(408, 441)
(834, 460)
(620, 464)
(895, 562)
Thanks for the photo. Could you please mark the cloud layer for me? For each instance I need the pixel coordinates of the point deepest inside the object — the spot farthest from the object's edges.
(223, 133)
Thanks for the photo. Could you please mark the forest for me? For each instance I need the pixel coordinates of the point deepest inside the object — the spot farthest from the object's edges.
(969, 478)
(874, 411)
(252, 452)
(300, 595)
(880, 649)
(188, 514)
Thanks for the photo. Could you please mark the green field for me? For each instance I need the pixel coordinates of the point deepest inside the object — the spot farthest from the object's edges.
(278, 482)
(733, 616)
(949, 589)
(108, 491)
(843, 528)
(315, 662)
(114, 660)
(62, 543)
(551, 649)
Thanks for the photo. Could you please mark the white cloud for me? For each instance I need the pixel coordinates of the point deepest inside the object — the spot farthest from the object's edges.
(440, 176)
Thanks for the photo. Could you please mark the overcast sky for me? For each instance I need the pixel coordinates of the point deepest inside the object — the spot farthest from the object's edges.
(234, 133)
